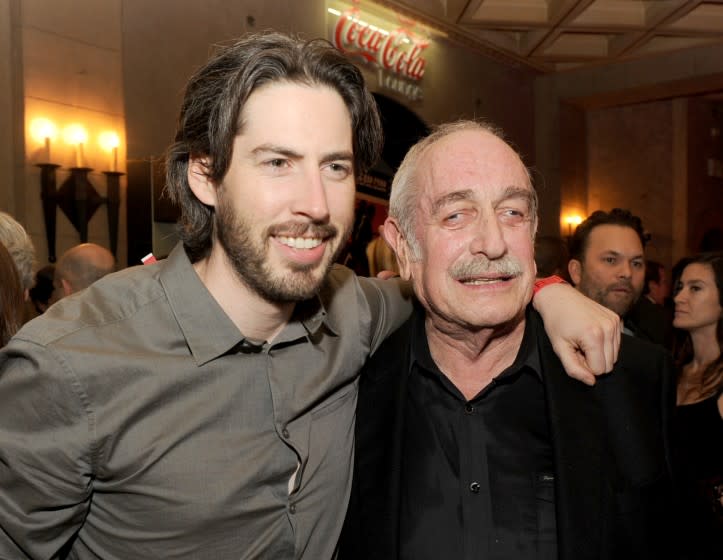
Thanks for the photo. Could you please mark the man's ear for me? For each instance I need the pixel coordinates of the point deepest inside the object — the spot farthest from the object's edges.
(200, 183)
(67, 288)
(395, 238)
(574, 267)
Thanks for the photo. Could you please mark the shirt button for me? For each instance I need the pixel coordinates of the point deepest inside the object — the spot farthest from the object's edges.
(468, 408)
(474, 487)
(292, 508)
(285, 433)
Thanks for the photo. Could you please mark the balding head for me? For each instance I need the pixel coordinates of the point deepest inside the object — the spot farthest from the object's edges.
(80, 266)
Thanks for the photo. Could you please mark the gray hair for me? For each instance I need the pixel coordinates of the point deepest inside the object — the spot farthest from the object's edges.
(20, 247)
(405, 192)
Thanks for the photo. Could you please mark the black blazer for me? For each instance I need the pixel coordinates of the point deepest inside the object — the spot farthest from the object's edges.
(611, 452)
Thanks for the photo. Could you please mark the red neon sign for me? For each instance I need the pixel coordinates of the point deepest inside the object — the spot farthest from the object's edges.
(399, 51)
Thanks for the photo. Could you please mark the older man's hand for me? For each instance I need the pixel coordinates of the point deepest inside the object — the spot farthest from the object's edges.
(584, 334)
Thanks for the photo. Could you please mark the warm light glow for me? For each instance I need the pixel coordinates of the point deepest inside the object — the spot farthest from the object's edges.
(573, 220)
(109, 140)
(75, 134)
(40, 129)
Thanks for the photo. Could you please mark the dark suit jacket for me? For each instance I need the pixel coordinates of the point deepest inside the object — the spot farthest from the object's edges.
(611, 452)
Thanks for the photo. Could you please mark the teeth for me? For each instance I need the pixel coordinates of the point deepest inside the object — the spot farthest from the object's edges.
(300, 242)
(480, 281)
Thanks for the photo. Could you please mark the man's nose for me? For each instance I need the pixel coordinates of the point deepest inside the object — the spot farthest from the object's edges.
(625, 270)
(489, 238)
(311, 199)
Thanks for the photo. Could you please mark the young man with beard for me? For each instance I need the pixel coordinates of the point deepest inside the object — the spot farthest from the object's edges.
(203, 407)
(471, 442)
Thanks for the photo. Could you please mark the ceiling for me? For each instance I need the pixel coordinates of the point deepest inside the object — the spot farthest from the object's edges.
(555, 35)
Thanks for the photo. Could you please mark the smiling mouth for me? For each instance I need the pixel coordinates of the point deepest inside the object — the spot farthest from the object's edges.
(484, 281)
(300, 242)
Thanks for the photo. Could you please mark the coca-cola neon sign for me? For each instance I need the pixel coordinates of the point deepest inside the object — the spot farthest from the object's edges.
(399, 51)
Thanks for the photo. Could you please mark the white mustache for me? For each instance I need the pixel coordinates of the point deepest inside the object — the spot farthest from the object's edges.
(506, 266)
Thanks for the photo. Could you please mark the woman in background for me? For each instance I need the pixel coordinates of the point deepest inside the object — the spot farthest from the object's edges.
(699, 321)
(11, 297)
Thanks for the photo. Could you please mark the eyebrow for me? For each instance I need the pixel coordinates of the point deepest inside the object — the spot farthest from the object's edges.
(468, 194)
(275, 149)
(618, 254)
(448, 198)
(516, 192)
(293, 154)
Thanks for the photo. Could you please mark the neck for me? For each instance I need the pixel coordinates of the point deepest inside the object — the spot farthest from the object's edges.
(255, 317)
(472, 359)
(705, 347)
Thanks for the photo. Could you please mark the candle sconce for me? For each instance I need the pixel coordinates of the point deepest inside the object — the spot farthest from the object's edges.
(78, 199)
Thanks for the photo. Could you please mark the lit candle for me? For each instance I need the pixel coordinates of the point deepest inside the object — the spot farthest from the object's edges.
(109, 141)
(43, 131)
(79, 155)
(76, 135)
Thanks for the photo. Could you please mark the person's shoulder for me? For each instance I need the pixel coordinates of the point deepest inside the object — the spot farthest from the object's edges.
(641, 364)
(111, 299)
(637, 352)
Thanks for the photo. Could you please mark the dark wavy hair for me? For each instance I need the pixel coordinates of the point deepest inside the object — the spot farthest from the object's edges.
(212, 114)
(712, 379)
(616, 217)
(11, 297)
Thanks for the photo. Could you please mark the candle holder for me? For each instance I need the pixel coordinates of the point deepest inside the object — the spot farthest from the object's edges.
(78, 199)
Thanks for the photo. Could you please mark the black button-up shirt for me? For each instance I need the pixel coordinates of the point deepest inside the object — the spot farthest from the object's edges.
(477, 480)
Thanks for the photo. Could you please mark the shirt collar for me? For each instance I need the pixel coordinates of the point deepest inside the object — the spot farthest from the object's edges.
(528, 355)
(208, 330)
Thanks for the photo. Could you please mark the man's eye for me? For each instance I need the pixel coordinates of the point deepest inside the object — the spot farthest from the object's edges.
(277, 162)
(513, 215)
(339, 170)
(638, 264)
(610, 260)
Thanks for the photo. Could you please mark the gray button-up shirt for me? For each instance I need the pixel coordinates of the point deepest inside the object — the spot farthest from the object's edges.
(137, 422)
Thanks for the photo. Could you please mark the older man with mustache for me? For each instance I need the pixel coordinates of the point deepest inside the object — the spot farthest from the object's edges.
(471, 442)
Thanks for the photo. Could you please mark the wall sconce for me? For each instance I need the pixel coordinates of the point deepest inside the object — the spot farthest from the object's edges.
(76, 197)
(572, 220)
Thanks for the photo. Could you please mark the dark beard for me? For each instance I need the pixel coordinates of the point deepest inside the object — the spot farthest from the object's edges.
(249, 261)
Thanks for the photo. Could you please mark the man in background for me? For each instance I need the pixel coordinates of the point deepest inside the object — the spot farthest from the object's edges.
(607, 264)
(79, 267)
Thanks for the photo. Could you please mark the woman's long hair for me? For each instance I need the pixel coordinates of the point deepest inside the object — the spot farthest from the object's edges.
(712, 378)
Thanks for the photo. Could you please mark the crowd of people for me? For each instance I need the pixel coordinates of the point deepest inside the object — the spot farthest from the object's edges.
(248, 398)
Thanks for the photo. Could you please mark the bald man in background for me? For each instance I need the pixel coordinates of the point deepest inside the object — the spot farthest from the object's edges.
(79, 267)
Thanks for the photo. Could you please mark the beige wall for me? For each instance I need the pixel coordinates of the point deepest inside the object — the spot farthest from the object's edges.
(10, 105)
(639, 138)
(630, 166)
(70, 65)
